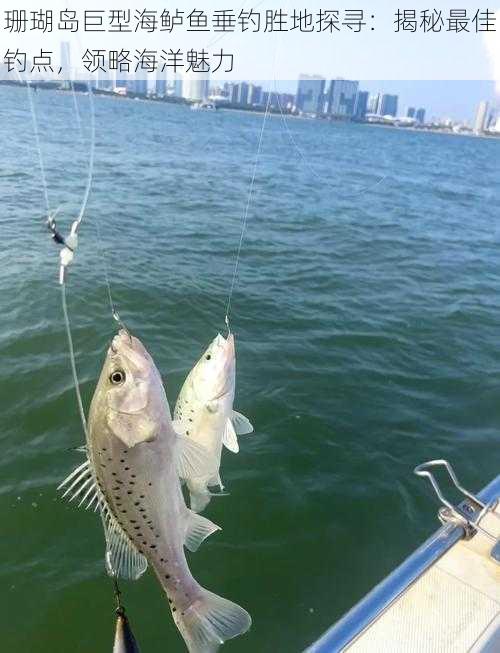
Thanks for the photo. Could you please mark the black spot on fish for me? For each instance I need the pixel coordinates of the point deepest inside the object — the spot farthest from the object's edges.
(137, 503)
(113, 473)
(126, 468)
(150, 484)
(174, 609)
(133, 521)
(152, 546)
(129, 491)
(141, 496)
(167, 576)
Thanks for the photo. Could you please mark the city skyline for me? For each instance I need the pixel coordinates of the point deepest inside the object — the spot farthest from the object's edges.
(443, 100)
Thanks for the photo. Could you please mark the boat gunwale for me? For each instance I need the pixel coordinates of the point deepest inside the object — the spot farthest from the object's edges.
(362, 615)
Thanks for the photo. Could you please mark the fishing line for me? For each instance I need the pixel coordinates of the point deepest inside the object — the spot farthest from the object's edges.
(70, 243)
(306, 162)
(245, 215)
(101, 249)
(37, 143)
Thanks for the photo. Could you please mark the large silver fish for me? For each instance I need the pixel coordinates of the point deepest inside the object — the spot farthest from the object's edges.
(135, 459)
(204, 413)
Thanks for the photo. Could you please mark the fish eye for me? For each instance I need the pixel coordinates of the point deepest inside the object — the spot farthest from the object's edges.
(208, 357)
(117, 377)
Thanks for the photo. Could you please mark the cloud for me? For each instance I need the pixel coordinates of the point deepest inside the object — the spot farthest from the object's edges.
(492, 41)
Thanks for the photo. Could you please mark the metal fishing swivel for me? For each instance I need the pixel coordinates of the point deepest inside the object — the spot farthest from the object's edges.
(70, 243)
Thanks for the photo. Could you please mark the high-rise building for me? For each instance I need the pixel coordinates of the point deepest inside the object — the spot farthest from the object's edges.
(481, 117)
(410, 112)
(254, 94)
(242, 97)
(161, 82)
(310, 92)
(66, 60)
(361, 108)
(374, 103)
(121, 80)
(195, 86)
(420, 115)
(139, 86)
(104, 81)
(177, 86)
(388, 105)
(340, 99)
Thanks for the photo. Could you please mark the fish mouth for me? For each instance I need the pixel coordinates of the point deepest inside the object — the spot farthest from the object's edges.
(130, 348)
(227, 356)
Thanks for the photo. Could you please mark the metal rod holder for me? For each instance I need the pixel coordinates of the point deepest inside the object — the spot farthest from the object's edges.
(469, 513)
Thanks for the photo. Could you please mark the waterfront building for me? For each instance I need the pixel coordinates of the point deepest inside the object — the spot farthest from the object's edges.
(310, 92)
(195, 87)
(254, 94)
(481, 117)
(66, 60)
(242, 95)
(388, 105)
(410, 113)
(340, 100)
(161, 82)
(420, 115)
(361, 107)
(374, 104)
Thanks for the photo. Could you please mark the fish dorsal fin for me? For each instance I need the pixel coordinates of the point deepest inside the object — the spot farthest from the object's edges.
(193, 460)
(241, 424)
(122, 558)
(198, 528)
(229, 438)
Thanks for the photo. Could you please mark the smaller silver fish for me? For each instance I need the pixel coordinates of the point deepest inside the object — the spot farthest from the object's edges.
(204, 413)
(124, 638)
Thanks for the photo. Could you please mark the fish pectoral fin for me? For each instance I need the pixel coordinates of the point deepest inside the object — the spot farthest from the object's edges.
(193, 459)
(123, 560)
(198, 528)
(81, 484)
(241, 424)
(229, 439)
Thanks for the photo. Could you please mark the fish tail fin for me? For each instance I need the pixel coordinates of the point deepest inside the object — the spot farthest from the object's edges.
(211, 620)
